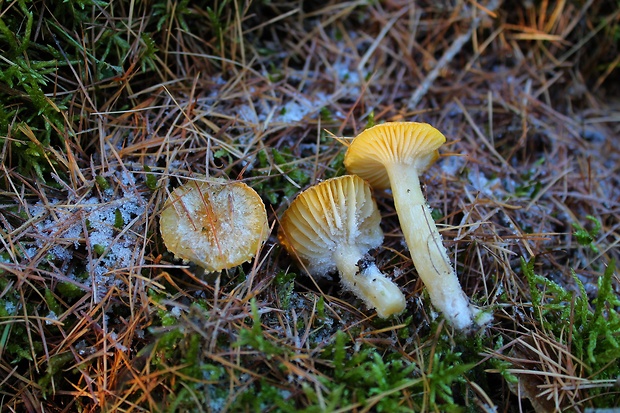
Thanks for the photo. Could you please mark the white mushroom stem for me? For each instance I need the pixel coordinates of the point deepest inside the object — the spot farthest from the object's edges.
(368, 283)
(426, 247)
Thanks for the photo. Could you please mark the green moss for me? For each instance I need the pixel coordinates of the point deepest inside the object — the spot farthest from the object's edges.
(365, 377)
(255, 338)
(52, 303)
(102, 182)
(371, 120)
(98, 249)
(326, 114)
(320, 308)
(586, 237)
(264, 396)
(69, 290)
(285, 180)
(594, 332)
(285, 283)
(336, 166)
(436, 214)
(55, 366)
(119, 222)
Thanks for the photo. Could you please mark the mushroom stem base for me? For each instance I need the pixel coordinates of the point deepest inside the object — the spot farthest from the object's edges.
(364, 279)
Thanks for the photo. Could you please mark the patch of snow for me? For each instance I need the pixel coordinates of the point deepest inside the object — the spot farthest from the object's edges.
(294, 111)
(300, 107)
(345, 74)
(247, 113)
(490, 187)
(452, 165)
(59, 228)
(10, 307)
(114, 339)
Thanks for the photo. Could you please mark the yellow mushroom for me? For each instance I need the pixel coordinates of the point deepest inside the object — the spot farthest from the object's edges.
(215, 224)
(333, 225)
(393, 155)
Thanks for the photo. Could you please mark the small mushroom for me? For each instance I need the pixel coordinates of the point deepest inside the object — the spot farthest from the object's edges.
(215, 224)
(333, 225)
(393, 155)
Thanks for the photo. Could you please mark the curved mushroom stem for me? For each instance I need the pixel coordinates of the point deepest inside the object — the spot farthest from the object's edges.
(368, 282)
(427, 250)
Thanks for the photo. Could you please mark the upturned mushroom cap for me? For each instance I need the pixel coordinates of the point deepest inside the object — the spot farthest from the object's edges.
(336, 211)
(216, 225)
(410, 143)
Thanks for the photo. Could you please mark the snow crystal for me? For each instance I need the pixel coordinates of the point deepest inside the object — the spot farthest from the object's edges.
(38, 209)
(452, 165)
(51, 317)
(249, 114)
(216, 404)
(489, 187)
(61, 253)
(31, 252)
(297, 109)
(10, 307)
(114, 339)
(293, 112)
(345, 74)
(127, 178)
(175, 311)
(350, 79)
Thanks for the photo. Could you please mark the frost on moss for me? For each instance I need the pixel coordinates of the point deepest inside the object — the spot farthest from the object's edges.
(65, 232)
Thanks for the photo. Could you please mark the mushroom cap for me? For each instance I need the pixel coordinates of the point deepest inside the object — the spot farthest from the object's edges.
(336, 211)
(216, 225)
(409, 143)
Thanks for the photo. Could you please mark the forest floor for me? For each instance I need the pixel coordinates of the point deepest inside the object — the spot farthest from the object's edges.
(107, 107)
